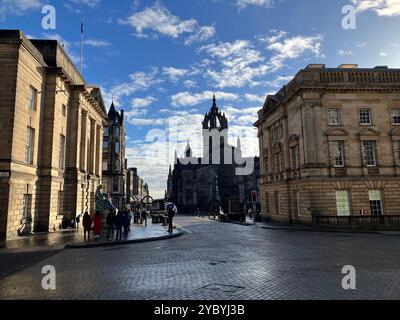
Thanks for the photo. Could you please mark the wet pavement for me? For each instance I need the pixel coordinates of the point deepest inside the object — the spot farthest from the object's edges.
(215, 261)
(20, 253)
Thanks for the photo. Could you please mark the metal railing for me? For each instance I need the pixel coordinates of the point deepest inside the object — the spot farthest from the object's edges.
(378, 221)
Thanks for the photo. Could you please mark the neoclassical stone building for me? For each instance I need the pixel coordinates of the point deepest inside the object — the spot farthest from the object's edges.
(51, 129)
(330, 145)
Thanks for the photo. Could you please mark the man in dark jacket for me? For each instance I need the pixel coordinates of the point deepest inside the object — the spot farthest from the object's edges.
(110, 221)
(171, 215)
(118, 225)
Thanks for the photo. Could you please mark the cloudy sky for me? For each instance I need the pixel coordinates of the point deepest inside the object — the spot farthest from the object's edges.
(162, 60)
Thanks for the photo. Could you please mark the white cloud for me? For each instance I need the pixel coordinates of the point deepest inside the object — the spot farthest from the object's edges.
(175, 74)
(203, 34)
(192, 99)
(344, 53)
(255, 98)
(139, 81)
(383, 54)
(97, 43)
(18, 7)
(285, 48)
(190, 84)
(90, 3)
(158, 20)
(237, 61)
(143, 102)
(388, 8)
(261, 3)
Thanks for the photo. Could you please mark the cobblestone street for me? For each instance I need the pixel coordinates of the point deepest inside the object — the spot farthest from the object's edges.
(221, 261)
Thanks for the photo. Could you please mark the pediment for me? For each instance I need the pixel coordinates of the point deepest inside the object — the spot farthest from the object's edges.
(395, 132)
(369, 132)
(337, 132)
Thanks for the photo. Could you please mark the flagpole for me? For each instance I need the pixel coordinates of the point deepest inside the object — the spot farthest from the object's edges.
(82, 32)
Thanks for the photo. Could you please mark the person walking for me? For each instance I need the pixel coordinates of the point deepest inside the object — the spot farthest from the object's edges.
(110, 222)
(87, 225)
(125, 223)
(144, 217)
(97, 225)
(78, 221)
(171, 215)
(118, 226)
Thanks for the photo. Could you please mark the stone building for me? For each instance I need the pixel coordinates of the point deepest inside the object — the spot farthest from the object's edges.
(330, 145)
(135, 186)
(51, 126)
(114, 162)
(211, 182)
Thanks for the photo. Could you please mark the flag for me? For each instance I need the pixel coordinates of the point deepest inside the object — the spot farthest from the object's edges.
(82, 27)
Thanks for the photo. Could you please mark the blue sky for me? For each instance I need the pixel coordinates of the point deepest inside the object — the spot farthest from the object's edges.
(162, 60)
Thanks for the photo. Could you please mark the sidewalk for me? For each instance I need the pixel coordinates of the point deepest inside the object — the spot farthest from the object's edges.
(138, 234)
(73, 239)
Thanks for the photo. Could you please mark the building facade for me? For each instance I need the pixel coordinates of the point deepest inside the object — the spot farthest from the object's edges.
(51, 126)
(330, 145)
(114, 162)
(212, 181)
(136, 188)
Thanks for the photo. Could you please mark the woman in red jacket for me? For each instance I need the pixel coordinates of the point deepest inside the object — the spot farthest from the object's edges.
(97, 225)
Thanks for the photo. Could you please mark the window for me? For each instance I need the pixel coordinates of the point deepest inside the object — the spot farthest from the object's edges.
(29, 145)
(60, 211)
(375, 202)
(343, 203)
(117, 165)
(117, 147)
(278, 203)
(295, 157)
(369, 153)
(105, 146)
(117, 132)
(365, 116)
(106, 131)
(397, 151)
(396, 116)
(277, 132)
(64, 110)
(32, 98)
(334, 117)
(338, 154)
(105, 165)
(26, 207)
(116, 185)
(61, 153)
(296, 203)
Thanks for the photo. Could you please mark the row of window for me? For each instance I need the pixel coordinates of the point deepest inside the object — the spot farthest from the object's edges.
(365, 116)
(30, 148)
(369, 153)
(32, 101)
(343, 202)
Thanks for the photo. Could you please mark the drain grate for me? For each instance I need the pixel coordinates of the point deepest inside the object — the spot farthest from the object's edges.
(222, 288)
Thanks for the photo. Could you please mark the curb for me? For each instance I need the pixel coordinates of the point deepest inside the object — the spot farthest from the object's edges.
(124, 242)
(326, 230)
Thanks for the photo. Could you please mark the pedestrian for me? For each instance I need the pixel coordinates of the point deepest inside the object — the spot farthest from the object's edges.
(144, 217)
(110, 222)
(125, 223)
(118, 226)
(97, 225)
(171, 214)
(78, 221)
(87, 225)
